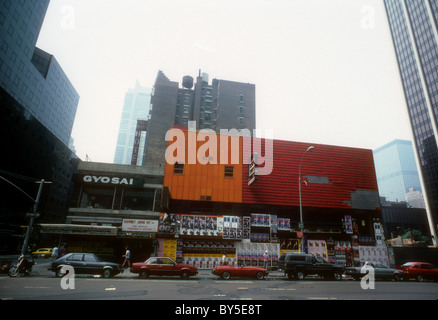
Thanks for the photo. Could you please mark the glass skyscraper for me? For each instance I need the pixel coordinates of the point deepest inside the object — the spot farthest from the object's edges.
(38, 105)
(396, 170)
(136, 107)
(30, 75)
(414, 30)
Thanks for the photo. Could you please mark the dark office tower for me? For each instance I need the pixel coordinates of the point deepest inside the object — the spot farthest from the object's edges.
(413, 26)
(37, 110)
(220, 105)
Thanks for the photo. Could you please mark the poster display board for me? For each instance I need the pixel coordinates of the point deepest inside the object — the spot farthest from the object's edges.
(251, 254)
(317, 248)
(374, 254)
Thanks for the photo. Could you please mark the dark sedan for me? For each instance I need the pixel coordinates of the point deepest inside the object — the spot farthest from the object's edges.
(380, 272)
(85, 263)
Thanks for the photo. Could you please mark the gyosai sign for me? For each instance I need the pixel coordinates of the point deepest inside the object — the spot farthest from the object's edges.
(108, 180)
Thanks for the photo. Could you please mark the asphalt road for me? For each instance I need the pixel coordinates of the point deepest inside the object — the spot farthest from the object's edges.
(86, 288)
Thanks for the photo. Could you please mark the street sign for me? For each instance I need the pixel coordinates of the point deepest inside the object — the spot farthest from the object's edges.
(300, 225)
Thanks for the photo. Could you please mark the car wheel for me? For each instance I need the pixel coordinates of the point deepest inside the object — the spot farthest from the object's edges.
(300, 275)
(143, 275)
(185, 275)
(337, 276)
(396, 277)
(226, 275)
(290, 275)
(420, 278)
(107, 273)
(60, 273)
(260, 275)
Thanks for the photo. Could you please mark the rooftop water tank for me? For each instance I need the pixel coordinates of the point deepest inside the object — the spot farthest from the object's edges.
(187, 82)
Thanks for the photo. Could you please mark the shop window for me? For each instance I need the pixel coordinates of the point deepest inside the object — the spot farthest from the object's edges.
(178, 168)
(229, 171)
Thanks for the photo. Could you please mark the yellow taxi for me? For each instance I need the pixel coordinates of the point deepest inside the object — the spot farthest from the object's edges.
(43, 252)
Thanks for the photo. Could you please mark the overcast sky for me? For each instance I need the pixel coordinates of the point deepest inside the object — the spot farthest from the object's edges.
(325, 70)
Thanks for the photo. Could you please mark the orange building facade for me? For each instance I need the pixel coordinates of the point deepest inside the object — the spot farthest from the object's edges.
(211, 209)
(204, 175)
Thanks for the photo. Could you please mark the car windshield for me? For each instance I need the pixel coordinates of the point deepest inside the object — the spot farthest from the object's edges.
(408, 264)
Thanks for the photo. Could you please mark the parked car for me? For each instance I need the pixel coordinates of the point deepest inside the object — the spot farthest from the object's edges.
(381, 272)
(43, 252)
(419, 271)
(300, 265)
(226, 272)
(85, 263)
(163, 266)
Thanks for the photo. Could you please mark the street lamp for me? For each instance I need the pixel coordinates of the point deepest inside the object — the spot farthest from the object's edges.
(309, 149)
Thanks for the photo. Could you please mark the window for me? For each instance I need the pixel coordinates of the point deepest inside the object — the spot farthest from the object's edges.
(240, 121)
(75, 257)
(166, 261)
(153, 261)
(178, 168)
(89, 258)
(229, 171)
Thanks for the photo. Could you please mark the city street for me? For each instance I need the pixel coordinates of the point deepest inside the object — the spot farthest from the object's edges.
(43, 285)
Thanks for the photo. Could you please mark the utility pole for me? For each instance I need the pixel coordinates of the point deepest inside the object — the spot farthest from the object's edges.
(33, 215)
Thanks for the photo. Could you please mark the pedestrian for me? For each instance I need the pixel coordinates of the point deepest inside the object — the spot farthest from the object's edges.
(127, 257)
(224, 259)
(54, 254)
(266, 260)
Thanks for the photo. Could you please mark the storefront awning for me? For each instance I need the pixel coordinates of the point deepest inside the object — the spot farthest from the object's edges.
(78, 229)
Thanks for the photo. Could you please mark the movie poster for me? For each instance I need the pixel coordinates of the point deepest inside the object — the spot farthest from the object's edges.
(246, 229)
(232, 227)
(169, 223)
(283, 224)
(348, 225)
(193, 225)
(317, 248)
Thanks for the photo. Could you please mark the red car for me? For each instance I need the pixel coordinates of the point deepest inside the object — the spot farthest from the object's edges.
(226, 272)
(419, 270)
(163, 266)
